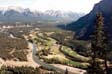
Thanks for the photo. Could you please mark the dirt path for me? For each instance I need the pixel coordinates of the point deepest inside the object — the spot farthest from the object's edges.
(71, 70)
(58, 67)
(12, 51)
(30, 62)
(13, 63)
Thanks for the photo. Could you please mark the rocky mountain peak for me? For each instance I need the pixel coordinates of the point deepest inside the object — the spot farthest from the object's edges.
(14, 13)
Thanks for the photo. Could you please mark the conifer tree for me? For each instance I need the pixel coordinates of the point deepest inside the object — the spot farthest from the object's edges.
(98, 47)
(66, 72)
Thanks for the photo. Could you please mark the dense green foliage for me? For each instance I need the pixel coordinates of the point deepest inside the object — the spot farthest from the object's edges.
(25, 70)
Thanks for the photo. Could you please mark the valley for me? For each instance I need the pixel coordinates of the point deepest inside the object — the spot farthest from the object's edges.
(76, 39)
(16, 53)
(46, 47)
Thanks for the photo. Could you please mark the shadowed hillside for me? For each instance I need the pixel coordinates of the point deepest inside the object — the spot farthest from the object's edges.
(84, 26)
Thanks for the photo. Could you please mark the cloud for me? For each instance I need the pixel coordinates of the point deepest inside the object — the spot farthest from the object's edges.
(15, 2)
(72, 5)
(42, 5)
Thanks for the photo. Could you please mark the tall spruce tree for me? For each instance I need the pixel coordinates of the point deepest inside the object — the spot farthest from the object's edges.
(98, 47)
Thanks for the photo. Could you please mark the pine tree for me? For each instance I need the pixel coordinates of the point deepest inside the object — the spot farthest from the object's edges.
(66, 72)
(98, 47)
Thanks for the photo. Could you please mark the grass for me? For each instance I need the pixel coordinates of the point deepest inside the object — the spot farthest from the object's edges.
(69, 52)
(75, 64)
(58, 59)
(44, 40)
(80, 42)
(55, 55)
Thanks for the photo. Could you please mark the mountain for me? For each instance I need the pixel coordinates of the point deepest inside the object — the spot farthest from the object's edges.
(84, 27)
(18, 14)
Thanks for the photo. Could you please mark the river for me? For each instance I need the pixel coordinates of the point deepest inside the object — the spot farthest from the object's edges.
(52, 67)
(44, 65)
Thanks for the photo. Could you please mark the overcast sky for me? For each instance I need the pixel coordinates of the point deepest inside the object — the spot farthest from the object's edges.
(42, 5)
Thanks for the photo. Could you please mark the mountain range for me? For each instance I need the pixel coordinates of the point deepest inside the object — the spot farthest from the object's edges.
(18, 14)
(84, 27)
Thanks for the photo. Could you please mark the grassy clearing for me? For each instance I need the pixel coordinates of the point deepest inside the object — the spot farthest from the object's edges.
(69, 52)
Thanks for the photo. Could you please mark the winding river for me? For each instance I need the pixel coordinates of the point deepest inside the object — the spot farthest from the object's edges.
(44, 65)
(49, 66)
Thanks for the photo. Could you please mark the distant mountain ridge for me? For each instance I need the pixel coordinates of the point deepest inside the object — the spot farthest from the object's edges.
(18, 14)
(84, 27)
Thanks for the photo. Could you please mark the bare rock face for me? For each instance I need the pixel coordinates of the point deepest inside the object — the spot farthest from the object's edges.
(84, 27)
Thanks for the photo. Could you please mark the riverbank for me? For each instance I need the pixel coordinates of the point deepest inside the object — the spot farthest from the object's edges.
(33, 61)
(56, 67)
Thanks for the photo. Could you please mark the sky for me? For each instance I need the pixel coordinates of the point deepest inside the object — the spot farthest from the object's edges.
(84, 6)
